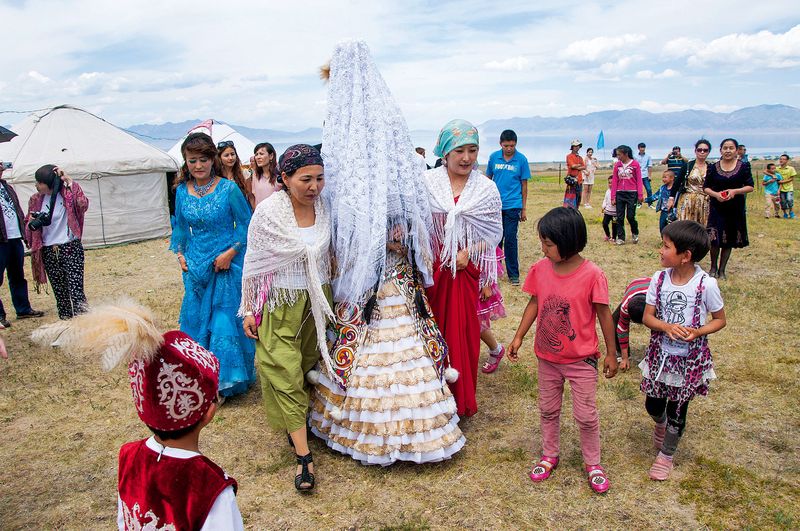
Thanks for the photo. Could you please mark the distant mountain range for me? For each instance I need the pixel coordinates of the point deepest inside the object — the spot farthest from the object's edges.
(769, 124)
(763, 118)
(166, 135)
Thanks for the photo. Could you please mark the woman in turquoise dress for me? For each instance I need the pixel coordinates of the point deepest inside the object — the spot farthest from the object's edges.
(210, 237)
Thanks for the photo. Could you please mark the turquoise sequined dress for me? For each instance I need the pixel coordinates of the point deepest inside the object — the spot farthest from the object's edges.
(204, 228)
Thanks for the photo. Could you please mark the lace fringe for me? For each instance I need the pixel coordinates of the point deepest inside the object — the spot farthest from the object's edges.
(480, 254)
(260, 290)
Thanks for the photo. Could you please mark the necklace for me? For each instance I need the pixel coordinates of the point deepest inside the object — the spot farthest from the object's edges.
(203, 190)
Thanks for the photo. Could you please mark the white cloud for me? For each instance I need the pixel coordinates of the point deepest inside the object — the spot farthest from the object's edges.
(681, 47)
(512, 63)
(437, 65)
(746, 51)
(649, 74)
(601, 48)
(36, 76)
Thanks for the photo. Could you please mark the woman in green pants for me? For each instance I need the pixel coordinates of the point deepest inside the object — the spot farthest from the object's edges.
(286, 297)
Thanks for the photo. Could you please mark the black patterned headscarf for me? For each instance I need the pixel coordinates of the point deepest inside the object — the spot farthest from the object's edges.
(297, 156)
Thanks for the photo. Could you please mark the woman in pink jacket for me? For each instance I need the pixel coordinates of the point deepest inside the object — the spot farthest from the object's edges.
(53, 228)
(626, 192)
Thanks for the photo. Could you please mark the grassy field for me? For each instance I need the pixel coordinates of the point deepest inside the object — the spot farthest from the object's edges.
(62, 420)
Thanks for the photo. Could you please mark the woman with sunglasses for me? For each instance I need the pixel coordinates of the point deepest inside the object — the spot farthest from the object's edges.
(231, 166)
(265, 172)
(692, 200)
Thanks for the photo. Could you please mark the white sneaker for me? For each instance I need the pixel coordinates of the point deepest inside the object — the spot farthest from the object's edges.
(587, 206)
(620, 242)
(635, 238)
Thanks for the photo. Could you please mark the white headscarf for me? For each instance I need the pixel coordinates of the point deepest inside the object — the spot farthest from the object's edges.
(375, 180)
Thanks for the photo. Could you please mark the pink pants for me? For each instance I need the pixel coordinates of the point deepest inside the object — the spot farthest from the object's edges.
(582, 379)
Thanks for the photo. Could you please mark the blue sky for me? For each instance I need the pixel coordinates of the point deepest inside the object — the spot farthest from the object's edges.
(255, 63)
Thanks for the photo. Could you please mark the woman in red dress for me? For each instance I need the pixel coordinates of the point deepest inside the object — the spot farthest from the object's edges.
(468, 227)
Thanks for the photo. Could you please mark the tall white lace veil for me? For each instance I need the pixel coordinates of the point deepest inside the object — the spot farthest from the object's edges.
(375, 185)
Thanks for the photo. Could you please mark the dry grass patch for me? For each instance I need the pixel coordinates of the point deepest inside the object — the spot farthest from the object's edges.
(62, 420)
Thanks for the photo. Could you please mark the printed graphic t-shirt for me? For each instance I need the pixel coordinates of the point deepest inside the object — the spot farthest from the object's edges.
(508, 176)
(565, 324)
(677, 304)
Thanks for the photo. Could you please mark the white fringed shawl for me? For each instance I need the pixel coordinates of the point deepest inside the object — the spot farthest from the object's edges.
(276, 251)
(474, 223)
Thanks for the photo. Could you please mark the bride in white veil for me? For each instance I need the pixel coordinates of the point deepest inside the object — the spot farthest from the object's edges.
(386, 398)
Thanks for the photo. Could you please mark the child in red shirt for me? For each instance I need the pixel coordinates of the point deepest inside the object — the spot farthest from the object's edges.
(567, 293)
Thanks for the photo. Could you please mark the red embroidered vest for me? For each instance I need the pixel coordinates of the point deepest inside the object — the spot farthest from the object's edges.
(169, 491)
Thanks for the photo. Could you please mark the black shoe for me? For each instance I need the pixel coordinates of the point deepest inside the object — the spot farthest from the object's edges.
(4, 323)
(30, 314)
(305, 476)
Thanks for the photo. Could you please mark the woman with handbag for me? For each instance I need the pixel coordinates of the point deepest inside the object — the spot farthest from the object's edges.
(384, 399)
(574, 178)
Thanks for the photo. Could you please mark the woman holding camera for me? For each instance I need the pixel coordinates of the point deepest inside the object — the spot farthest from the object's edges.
(53, 229)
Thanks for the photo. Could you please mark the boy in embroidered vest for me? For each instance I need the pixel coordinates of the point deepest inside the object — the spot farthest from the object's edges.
(677, 365)
(164, 481)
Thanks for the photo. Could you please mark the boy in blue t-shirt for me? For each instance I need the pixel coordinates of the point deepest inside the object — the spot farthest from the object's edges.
(771, 188)
(662, 196)
(509, 170)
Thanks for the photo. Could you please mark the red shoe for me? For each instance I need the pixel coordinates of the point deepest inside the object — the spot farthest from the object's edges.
(598, 479)
(542, 470)
(491, 364)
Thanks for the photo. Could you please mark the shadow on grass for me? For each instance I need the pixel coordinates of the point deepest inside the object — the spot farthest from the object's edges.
(731, 497)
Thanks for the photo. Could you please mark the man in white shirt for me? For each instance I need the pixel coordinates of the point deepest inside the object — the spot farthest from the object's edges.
(12, 253)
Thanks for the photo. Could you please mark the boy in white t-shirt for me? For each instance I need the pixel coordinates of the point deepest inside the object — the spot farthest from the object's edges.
(677, 365)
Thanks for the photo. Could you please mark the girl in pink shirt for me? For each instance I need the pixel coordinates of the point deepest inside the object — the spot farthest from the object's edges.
(567, 293)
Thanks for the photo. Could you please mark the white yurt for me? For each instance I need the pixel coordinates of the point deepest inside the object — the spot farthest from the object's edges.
(219, 133)
(124, 178)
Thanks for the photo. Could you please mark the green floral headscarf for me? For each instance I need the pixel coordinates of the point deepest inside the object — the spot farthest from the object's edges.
(455, 133)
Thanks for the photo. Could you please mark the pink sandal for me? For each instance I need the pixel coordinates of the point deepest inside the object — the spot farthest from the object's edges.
(542, 470)
(598, 479)
(491, 364)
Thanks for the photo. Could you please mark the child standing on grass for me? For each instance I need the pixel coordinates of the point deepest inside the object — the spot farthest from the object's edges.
(491, 308)
(771, 183)
(164, 482)
(567, 293)
(677, 365)
(662, 205)
(609, 215)
(787, 174)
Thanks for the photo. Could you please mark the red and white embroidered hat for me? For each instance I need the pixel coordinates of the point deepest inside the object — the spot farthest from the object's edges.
(176, 387)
